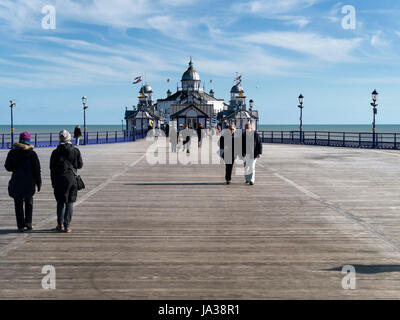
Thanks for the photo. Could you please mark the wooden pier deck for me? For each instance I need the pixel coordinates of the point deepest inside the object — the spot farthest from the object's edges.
(145, 231)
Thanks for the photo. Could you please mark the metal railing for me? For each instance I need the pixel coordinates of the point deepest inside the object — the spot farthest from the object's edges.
(45, 140)
(334, 139)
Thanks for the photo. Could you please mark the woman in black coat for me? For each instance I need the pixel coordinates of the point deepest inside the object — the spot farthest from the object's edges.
(63, 161)
(24, 164)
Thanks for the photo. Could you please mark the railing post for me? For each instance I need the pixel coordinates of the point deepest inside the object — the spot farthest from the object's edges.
(376, 140)
(359, 140)
(35, 140)
(51, 139)
(315, 140)
(106, 136)
(262, 137)
(329, 138)
(116, 137)
(2, 141)
(344, 139)
(281, 136)
(97, 137)
(395, 141)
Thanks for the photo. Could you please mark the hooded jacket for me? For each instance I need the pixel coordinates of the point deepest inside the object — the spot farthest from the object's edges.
(24, 164)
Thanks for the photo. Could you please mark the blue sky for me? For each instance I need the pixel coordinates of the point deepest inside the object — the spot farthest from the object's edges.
(280, 47)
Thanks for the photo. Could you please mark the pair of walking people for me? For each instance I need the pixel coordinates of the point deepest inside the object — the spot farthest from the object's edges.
(247, 146)
(24, 164)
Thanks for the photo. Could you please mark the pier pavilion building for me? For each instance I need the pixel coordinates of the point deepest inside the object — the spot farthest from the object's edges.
(191, 105)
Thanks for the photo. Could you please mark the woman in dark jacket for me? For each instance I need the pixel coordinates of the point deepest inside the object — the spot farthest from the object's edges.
(24, 164)
(63, 161)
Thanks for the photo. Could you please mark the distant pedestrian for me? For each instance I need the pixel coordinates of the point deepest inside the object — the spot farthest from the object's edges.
(186, 134)
(64, 160)
(77, 134)
(200, 133)
(251, 151)
(174, 139)
(227, 150)
(167, 130)
(24, 164)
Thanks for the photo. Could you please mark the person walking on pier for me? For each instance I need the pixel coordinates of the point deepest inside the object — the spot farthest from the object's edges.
(77, 134)
(251, 151)
(24, 164)
(200, 133)
(167, 130)
(63, 162)
(174, 139)
(186, 133)
(227, 150)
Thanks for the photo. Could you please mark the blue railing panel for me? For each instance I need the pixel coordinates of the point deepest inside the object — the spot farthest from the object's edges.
(334, 139)
(46, 140)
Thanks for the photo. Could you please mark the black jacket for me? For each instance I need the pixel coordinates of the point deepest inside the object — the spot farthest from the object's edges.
(186, 135)
(255, 148)
(199, 132)
(77, 132)
(62, 177)
(24, 163)
(228, 148)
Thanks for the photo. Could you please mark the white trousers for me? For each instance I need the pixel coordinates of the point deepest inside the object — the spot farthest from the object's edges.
(250, 168)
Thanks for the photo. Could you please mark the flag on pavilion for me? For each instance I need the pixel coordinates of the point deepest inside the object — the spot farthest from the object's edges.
(137, 80)
(238, 80)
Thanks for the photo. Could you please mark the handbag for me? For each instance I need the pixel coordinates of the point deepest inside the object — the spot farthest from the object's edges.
(79, 180)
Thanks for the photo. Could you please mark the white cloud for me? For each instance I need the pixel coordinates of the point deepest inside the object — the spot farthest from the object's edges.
(274, 7)
(299, 21)
(25, 15)
(379, 41)
(325, 48)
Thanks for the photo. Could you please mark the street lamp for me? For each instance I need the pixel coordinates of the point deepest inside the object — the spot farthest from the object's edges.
(12, 105)
(301, 101)
(375, 111)
(84, 100)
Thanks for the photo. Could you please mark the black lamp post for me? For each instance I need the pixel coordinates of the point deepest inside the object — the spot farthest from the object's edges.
(12, 105)
(301, 101)
(84, 100)
(251, 104)
(375, 111)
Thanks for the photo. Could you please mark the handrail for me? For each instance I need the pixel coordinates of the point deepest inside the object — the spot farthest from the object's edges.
(50, 139)
(383, 140)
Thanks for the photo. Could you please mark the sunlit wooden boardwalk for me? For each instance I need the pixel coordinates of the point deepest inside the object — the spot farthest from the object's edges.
(176, 232)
